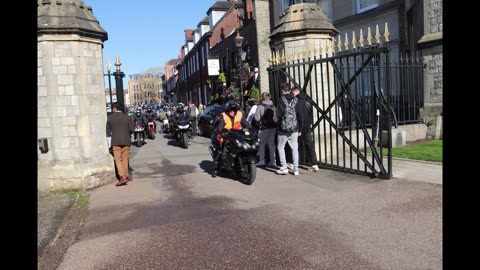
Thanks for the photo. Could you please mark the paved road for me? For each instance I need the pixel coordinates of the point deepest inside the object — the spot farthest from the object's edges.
(175, 216)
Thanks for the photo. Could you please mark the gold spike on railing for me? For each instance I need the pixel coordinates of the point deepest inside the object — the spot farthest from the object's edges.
(377, 35)
(275, 57)
(346, 42)
(284, 57)
(339, 43)
(270, 60)
(361, 38)
(354, 41)
(386, 34)
(369, 37)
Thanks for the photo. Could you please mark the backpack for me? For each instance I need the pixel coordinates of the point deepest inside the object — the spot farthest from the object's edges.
(269, 118)
(192, 111)
(289, 119)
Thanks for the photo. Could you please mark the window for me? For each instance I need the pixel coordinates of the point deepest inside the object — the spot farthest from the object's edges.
(364, 5)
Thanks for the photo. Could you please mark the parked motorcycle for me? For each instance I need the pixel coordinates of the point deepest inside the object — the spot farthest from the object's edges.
(181, 133)
(239, 154)
(151, 130)
(138, 134)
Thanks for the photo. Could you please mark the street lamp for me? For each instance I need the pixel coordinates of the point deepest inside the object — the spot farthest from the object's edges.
(238, 44)
(109, 83)
(119, 83)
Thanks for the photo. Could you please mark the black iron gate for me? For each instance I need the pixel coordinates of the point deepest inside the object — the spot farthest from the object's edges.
(353, 115)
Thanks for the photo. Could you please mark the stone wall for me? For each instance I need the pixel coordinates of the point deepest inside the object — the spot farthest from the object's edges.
(432, 51)
(72, 114)
(262, 21)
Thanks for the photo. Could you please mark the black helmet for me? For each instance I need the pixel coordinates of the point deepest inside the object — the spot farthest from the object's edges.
(231, 105)
(149, 109)
(180, 107)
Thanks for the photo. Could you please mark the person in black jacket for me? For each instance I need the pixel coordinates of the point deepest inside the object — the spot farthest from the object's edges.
(289, 128)
(119, 128)
(306, 131)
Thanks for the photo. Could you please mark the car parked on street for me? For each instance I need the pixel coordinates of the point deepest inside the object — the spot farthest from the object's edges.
(207, 119)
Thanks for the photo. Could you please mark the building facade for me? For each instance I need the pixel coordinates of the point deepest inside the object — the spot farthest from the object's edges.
(146, 88)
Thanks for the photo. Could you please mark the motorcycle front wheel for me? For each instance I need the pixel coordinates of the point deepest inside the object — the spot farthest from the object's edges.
(139, 139)
(249, 173)
(185, 140)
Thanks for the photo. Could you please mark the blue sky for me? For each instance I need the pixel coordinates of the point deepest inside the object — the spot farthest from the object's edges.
(146, 33)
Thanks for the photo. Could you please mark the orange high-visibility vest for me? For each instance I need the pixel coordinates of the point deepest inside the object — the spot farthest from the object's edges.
(236, 121)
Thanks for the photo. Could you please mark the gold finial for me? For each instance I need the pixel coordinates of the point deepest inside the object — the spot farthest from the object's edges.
(276, 58)
(386, 34)
(354, 41)
(369, 37)
(339, 43)
(377, 35)
(283, 59)
(361, 38)
(108, 64)
(346, 42)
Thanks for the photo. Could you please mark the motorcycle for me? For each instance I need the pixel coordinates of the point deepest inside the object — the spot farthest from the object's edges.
(164, 126)
(181, 132)
(239, 154)
(138, 134)
(151, 129)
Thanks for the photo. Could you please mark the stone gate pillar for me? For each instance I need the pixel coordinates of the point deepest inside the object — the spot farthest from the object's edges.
(262, 23)
(71, 98)
(302, 30)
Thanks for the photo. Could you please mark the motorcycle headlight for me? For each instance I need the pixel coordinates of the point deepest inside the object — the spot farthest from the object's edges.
(246, 146)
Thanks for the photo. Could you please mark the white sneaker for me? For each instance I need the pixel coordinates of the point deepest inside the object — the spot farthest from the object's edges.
(260, 164)
(295, 172)
(315, 168)
(282, 171)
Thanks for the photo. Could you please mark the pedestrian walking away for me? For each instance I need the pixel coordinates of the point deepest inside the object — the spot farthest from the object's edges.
(119, 128)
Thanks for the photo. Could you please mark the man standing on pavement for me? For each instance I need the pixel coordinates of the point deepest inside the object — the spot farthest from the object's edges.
(120, 127)
(289, 128)
(306, 137)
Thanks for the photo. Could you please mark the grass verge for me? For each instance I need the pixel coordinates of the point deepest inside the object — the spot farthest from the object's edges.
(428, 151)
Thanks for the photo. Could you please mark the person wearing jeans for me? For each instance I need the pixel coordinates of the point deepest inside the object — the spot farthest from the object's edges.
(288, 136)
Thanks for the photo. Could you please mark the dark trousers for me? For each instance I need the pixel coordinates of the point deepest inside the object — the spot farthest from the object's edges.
(309, 147)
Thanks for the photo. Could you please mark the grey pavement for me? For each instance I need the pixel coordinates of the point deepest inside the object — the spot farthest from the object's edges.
(356, 222)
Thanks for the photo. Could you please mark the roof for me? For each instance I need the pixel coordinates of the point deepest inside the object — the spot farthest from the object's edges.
(68, 17)
(304, 17)
(220, 5)
(205, 20)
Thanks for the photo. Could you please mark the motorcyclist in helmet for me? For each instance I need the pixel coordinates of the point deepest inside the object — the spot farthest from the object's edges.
(231, 118)
(180, 113)
(139, 117)
(150, 115)
(180, 116)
